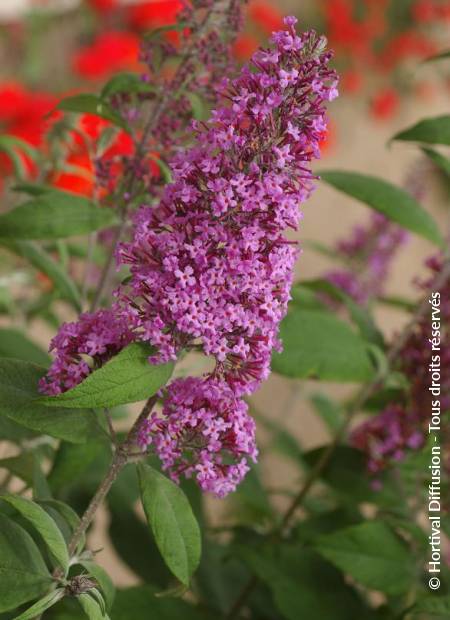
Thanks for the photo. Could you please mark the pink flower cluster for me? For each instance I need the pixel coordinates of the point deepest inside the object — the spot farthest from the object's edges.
(205, 432)
(211, 267)
(94, 338)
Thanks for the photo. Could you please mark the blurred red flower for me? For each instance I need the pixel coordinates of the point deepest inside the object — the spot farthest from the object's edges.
(244, 46)
(265, 15)
(23, 114)
(385, 104)
(103, 6)
(149, 15)
(110, 51)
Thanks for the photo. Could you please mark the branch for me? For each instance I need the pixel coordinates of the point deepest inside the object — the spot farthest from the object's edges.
(121, 458)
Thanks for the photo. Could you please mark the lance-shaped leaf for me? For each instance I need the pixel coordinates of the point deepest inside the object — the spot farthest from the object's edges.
(431, 606)
(172, 521)
(442, 162)
(44, 524)
(392, 201)
(42, 261)
(45, 603)
(13, 343)
(91, 607)
(54, 215)
(91, 104)
(103, 580)
(18, 402)
(440, 56)
(318, 345)
(126, 82)
(372, 554)
(23, 573)
(126, 378)
(434, 130)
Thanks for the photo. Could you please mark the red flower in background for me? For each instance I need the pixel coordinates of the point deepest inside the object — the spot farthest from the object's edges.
(81, 179)
(110, 52)
(103, 6)
(23, 114)
(244, 46)
(265, 15)
(406, 45)
(150, 15)
(385, 104)
(426, 11)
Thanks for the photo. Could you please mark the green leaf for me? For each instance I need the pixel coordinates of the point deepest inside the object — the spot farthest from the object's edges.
(360, 316)
(163, 167)
(18, 392)
(392, 201)
(440, 56)
(54, 215)
(42, 261)
(434, 130)
(172, 522)
(45, 603)
(45, 525)
(126, 378)
(71, 462)
(23, 574)
(432, 606)
(65, 517)
(131, 537)
(303, 585)
(330, 412)
(372, 554)
(13, 343)
(318, 345)
(442, 162)
(103, 580)
(250, 504)
(343, 475)
(140, 603)
(91, 607)
(92, 104)
(199, 111)
(21, 466)
(13, 147)
(126, 83)
(14, 432)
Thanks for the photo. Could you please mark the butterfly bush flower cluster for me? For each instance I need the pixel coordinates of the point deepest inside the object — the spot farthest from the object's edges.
(402, 426)
(211, 265)
(204, 430)
(83, 346)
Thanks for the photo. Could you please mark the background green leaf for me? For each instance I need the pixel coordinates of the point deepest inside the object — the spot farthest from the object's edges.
(54, 215)
(14, 344)
(372, 554)
(43, 262)
(429, 130)
(44, 524)
(18, 394)
(392, 201)
(318, 345)
(23, 573)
